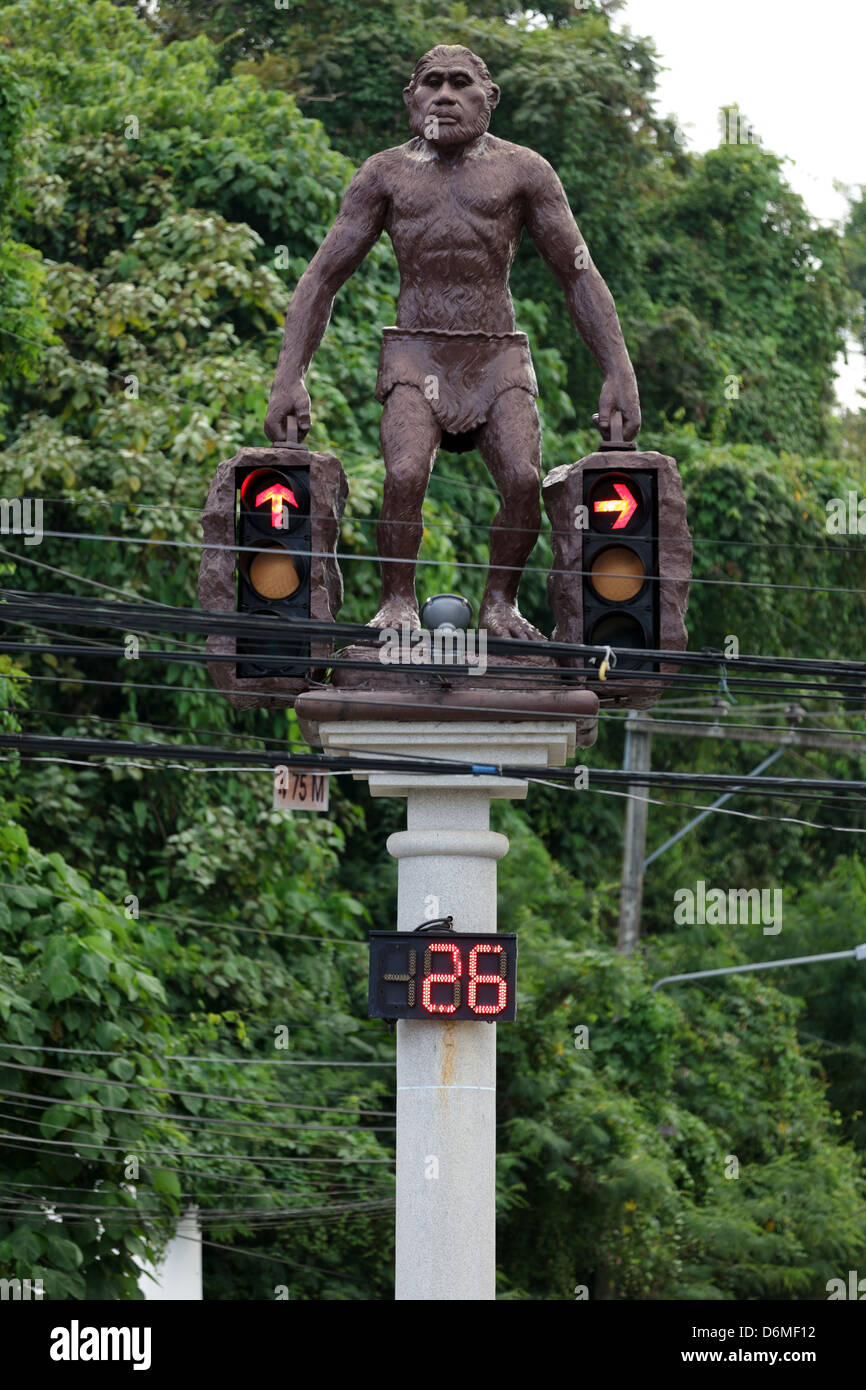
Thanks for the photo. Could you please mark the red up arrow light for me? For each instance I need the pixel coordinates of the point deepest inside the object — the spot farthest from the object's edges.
(626, 506)
(277, 495)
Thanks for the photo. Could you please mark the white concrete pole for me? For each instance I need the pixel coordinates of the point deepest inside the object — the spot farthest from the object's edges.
(178, 1274)
(446, 1070)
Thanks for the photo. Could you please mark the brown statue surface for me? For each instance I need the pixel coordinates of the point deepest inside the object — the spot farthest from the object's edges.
(454, 373)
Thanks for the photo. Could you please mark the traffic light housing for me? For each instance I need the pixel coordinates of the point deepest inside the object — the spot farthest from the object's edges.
(622, 555)
(274, 566)
(271, 525)
(620, 562)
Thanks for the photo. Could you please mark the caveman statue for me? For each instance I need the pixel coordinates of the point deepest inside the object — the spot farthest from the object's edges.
(453, 373)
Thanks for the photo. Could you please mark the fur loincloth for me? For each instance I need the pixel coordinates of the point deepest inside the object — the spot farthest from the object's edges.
(460, 374)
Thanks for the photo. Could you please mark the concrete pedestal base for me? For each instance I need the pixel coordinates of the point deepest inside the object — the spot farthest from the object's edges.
(446, 1071)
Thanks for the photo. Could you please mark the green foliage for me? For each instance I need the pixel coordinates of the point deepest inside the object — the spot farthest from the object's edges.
(23, 309)
(166, 192)
(615, 1164)
(71, 967)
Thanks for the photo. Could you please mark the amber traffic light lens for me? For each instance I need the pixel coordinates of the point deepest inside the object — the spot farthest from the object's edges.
(273, 574)
(617, 574)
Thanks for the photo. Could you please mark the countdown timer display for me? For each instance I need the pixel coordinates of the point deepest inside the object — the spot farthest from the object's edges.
(443, 975)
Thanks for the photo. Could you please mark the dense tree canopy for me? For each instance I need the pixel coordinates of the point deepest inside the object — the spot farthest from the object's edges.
(165, 182)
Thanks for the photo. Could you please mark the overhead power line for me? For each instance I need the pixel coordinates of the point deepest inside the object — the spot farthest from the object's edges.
(781, 690)
(364, 558)
(185, 1118)
(714, 810)
(169, 1090)
(153, 1156)
(830, 548)
(530, 675)
(729, 725)
(267, 759)
(176, 1057)
(76, 611)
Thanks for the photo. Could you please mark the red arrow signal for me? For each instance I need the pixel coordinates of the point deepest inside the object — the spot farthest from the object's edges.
(626, 506)
(277, 494)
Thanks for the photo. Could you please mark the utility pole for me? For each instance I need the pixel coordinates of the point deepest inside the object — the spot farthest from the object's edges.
(446, 1070)
(639, 729)
(177, 1276)
(638, 752)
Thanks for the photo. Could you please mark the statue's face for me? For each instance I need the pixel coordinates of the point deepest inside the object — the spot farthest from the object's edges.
(449, 106)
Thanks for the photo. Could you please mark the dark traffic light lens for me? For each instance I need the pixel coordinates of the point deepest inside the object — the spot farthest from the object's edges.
(617, 630)
(620, 630)
(274, 642)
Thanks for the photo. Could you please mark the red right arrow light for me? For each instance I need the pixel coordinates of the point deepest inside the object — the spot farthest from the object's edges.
(626, 506)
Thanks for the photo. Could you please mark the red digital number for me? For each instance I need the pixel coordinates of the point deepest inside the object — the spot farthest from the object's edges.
(438, 978)
(487, 948)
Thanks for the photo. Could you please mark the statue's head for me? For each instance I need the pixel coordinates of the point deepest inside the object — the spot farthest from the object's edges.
(450, 96)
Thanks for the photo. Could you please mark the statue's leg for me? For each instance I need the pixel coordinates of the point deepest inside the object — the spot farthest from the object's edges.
(410, 437)
(510, 444)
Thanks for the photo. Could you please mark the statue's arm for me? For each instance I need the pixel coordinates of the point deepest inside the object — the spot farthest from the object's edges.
(551, 225)
(357, 227)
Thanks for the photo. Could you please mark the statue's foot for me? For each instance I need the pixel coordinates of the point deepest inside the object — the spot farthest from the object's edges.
(502, 619)
(395, 612)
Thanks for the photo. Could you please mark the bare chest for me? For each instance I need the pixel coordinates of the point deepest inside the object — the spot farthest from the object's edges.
(432, 202)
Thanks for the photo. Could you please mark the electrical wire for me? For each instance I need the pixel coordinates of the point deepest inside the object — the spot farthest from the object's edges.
(232, 1192)
(175, 1091)
(256, 1255)
(197, 1120)
(712, 720)
(368, 557)
(173, 1057)
(715, 810)
(564, 676)
(134, 1210)
(76, 611)
(823, 694)
(153, 1158)
(214, 1126)
(191, 1122)
(335, 1212)
(785, 786)
(24, 710)
(830, 548)
(80, 578)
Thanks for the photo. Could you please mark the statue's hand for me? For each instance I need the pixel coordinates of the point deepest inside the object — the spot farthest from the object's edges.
(619, 392)
(291, 400)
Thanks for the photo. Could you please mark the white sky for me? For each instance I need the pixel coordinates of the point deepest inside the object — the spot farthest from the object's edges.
(798, 72)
